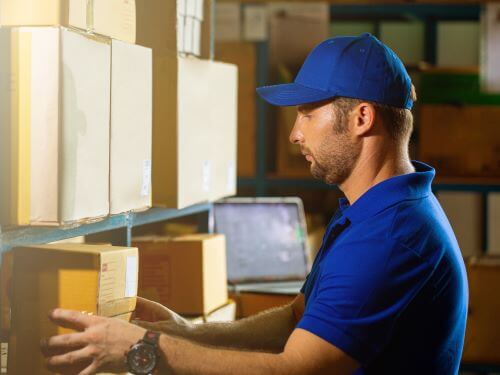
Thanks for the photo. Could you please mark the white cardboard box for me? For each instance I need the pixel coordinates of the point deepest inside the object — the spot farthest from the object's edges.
(59, 113)
(195, 131)
(464, 211)
(131, 127)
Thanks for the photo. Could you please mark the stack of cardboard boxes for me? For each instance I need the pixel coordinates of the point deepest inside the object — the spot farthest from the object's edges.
(70, 103)
(103, 112)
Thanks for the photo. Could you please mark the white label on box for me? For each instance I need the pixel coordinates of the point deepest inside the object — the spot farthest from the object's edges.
(131, 276)
(231, 176)
(146, 178)
(206, 176)
(4, 351)
(255, 23)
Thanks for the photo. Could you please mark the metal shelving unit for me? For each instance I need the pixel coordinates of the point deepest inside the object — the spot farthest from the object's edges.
(20, 236)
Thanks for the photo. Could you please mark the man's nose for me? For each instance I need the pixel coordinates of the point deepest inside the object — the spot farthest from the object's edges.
(296, 136)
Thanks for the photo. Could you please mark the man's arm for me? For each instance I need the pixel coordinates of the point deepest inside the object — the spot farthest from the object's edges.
(267, 331)
(101, 344)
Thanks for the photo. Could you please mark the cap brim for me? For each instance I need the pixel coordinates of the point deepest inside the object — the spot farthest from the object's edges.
(291, 94)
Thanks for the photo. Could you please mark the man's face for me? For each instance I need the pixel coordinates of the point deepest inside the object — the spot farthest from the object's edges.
(325, 142)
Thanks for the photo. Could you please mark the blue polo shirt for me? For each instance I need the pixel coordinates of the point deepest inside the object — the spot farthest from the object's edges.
(388, 286)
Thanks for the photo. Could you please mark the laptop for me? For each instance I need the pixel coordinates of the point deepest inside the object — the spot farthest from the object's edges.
(266, 243)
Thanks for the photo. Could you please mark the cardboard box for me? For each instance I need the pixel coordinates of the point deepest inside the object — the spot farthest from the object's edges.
(131, 127)
(455, 51)
(187, 274)
(467, 227)
(493, 202)
(405, 38)
(150, 23)
(226, 313)
(244, 56)
(33, 12)
(95, 279)
(469, 133)
(482, 337)
(249, 304)
(55, 112)
(194, 131)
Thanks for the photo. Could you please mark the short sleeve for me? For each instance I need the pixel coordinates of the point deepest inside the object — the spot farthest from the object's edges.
(361, 289)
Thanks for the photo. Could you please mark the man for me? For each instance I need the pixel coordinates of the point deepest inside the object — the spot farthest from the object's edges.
(387, 293)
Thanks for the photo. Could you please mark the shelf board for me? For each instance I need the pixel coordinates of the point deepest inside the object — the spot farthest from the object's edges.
(33, 235)
(157, 214)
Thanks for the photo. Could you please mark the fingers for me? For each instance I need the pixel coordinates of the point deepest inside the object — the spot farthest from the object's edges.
(72, 319)
(63, 343)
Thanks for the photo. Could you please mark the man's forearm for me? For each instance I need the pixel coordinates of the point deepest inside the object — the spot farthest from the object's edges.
(267, 331)
(182, 357)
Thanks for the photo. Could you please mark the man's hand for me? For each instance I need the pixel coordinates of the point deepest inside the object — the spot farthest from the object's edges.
(99, 345)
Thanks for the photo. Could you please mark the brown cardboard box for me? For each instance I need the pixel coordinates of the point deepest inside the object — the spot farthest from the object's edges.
(5, 294)
(482, 338)
(243, 55)
(194, 131)
(95, 279)
(249, 304)
(187, 273)
(493, 220)
(471, 135)
(226, 313)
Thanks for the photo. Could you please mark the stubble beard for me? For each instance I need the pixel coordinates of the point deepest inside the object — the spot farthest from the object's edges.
(335, 159)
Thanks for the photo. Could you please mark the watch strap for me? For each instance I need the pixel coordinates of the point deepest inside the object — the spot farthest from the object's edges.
(152, 338)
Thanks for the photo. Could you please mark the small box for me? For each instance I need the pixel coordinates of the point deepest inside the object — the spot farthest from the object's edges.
(249, 304)
(493, 204)
(226, 313)
(458, 43)
(187, 274)
(482, 338)
(468, 227)
(89, 278)
(131, 127)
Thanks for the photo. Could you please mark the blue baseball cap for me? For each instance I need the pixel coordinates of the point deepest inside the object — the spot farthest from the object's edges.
(359, 67)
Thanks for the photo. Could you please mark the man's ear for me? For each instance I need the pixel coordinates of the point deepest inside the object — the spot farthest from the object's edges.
(363, 116)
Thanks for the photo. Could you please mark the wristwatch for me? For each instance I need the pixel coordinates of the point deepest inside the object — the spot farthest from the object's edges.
(143, 357)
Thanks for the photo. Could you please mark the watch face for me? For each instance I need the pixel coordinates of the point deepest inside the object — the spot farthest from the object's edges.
(141, 359)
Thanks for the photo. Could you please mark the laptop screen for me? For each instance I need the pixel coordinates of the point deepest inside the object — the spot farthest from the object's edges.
(265, 238)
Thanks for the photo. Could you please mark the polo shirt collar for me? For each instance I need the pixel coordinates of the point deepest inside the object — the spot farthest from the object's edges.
(409, 186)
